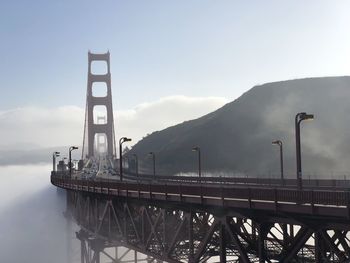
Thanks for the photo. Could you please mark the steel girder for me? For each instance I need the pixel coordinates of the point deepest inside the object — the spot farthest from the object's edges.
(96, 250)
(180, 233)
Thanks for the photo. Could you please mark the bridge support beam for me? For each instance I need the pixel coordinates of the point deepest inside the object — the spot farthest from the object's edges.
(222, 243)
(262, 230)
(190, 236)
(177, 233)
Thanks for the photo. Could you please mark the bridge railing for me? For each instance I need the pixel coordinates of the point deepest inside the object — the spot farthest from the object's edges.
(243, 181)
(223, 191)
(308, 183)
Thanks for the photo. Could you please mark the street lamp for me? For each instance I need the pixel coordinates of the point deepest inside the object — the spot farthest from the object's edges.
(279, 143)
(136, 164)
(301, 116)
(72, 148)
(54, 155)
(154, 163)
(198, 149)
(121, 141)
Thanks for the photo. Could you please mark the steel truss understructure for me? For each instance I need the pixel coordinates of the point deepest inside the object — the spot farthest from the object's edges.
(94, 250)
(174, 232)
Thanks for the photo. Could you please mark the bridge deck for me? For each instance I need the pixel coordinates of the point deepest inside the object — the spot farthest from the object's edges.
(316, 202)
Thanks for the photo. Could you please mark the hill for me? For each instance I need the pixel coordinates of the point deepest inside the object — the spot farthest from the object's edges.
(237, 137)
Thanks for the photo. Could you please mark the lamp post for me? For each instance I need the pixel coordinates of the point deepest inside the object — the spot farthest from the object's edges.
(280, 144)
(72, 148)
(136, 164)
(154, 163)
(121, 141)
(198, 150)
(54, 155)
(301, 116)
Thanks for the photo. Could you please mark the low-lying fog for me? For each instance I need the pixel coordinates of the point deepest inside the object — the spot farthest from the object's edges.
(32, 226)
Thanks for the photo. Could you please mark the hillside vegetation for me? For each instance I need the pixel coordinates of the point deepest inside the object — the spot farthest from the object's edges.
(237, 137)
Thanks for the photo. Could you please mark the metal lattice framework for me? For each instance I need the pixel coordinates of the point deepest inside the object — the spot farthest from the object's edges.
(93, 249)
(182, 232)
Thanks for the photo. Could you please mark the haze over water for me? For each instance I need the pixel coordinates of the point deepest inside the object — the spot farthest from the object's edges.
(32, 226)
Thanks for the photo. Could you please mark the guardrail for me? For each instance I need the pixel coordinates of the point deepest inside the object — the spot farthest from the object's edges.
(309, 183)
(322, 202)
(286, 183)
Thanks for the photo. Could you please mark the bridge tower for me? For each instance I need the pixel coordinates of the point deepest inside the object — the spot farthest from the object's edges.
(93, 129)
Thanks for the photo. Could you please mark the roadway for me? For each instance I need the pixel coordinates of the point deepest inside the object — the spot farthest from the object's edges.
(102, 168)
(322, 198)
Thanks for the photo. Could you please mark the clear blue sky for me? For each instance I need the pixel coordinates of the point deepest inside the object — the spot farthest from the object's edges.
(161, 48)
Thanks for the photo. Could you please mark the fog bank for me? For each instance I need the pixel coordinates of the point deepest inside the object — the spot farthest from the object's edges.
(32, 226)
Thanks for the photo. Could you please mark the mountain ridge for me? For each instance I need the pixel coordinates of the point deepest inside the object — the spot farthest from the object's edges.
(237, 137)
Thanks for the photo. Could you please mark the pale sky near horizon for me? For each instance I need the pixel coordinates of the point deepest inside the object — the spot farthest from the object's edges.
(195, 48)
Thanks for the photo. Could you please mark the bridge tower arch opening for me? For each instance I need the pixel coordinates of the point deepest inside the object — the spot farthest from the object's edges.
(100, 139)
(98, 130)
